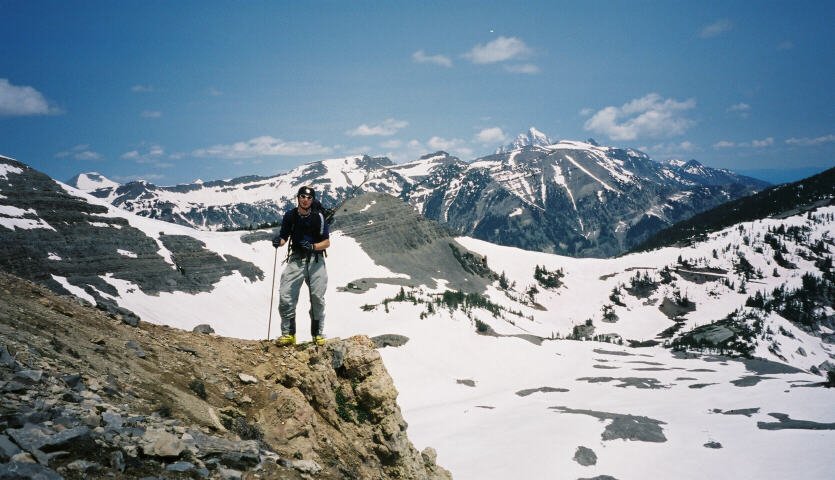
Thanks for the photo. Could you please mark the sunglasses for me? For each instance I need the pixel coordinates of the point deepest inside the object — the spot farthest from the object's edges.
(306, 197)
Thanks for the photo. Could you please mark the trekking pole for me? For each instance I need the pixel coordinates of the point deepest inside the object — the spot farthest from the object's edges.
(272, 294)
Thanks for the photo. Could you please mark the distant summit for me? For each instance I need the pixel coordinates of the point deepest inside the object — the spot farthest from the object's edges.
(91, 181)
(531, 138)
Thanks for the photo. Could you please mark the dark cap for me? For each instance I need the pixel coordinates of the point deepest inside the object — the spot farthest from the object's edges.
(306, 191)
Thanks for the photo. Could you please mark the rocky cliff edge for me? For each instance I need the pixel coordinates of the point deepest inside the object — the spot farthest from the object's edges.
(86, 396)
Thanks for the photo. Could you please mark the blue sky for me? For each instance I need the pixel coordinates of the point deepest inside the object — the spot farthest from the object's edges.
(174, 91)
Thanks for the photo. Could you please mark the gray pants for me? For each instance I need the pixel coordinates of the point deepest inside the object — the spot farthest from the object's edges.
(297, 271)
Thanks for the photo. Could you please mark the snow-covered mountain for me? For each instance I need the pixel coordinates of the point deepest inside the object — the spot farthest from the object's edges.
(92, 181)
(572, 198)
(531, 138)
(696, 362)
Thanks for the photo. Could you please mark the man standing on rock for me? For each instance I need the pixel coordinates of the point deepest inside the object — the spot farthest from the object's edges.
(307, 231)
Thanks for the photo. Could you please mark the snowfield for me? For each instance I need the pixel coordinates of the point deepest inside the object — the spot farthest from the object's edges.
(519, 403)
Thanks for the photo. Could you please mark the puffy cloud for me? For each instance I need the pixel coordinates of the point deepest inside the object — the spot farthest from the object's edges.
(526, 68)
(149, 154)
(649, 116)
(421, 57)
(80, 152)
(810, 142)
(766, 142)
(716, 28)
(151, 114)
(491, 135)
(498, 50)
(262, 146)
(19, 101)
(389, 127)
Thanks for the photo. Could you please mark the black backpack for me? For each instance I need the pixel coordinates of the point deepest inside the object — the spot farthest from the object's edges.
(327, 213)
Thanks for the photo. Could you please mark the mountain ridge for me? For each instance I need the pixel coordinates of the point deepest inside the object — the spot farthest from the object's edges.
(787, 199)
(582, 199)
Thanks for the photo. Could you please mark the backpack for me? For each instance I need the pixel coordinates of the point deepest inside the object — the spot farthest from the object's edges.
(327, 213)
(316, 207)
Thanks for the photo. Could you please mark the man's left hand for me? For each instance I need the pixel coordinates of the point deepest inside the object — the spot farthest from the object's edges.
(306, 246)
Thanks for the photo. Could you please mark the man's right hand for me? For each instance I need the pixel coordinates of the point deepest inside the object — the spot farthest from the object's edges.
(276, 242)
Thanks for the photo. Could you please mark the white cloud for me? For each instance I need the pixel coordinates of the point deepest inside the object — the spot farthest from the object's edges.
(716, 28)
(809, 142)
(440, 143)
(491, 135)
(526, 68)
(455, 146)
(586, 112)
(213, 92)
(389, 127)
(152, 154)
(262, 146)
(724, 144)
(498, 50)
(142, 88)
(421, 57)
(650, 116)
(80, 152)
(151, 114)
(765, 142)
(740, 108)
(19, 101)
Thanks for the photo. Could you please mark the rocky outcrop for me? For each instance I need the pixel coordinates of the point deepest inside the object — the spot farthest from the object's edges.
(152, 401)
(397, 237)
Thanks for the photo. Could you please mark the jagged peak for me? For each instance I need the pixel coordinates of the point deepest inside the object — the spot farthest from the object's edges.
(532, 138)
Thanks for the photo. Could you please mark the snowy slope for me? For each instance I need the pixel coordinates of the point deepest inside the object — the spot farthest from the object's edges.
(519, 402)
(669, 406)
